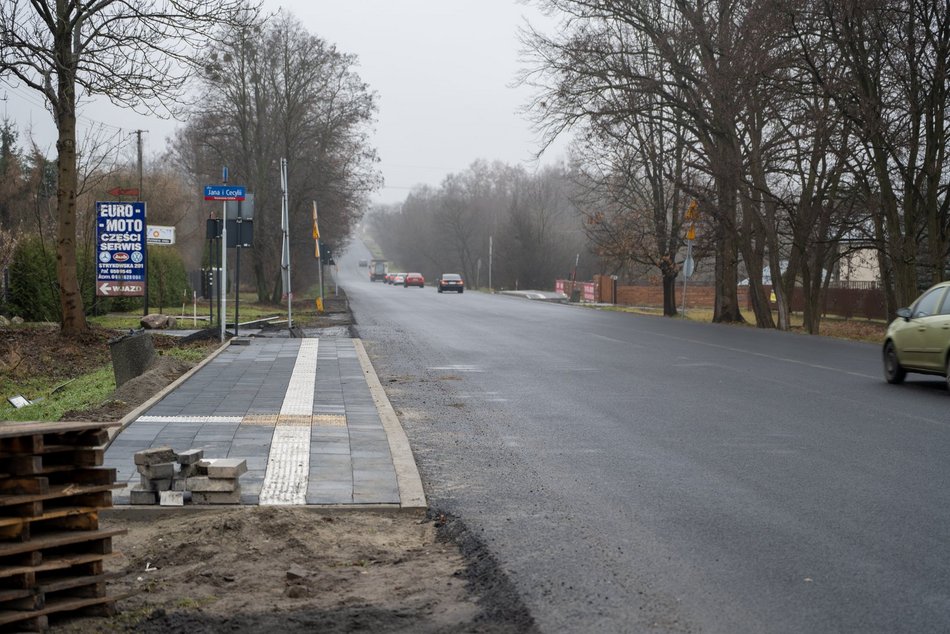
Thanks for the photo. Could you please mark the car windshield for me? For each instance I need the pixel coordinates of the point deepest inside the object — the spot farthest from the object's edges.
(451, 277)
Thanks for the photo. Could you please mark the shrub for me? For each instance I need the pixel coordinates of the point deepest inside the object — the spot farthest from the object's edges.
(34, 291)
(167, 279)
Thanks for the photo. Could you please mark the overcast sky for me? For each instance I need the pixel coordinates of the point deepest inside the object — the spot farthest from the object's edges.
(443, 69)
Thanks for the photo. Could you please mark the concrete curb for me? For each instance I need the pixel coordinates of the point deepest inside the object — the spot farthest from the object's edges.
(411, 493)
(135, 413)
(130, 513)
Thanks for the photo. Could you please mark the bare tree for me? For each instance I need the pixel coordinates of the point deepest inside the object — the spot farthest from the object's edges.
(701, 51)
(136, 54)
(891, 79)
(294, 96)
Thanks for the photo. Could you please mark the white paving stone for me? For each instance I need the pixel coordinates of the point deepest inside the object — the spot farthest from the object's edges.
(298, 400)
(288, 467)
(189, 419)
(288, 464)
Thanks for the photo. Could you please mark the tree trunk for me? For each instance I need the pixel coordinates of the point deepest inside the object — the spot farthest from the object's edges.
(726, 309)
(669, 291)
(73, 316)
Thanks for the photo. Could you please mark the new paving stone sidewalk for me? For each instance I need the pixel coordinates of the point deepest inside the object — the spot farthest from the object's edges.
(304, 413)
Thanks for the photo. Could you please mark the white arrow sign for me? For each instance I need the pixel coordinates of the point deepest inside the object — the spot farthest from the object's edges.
(132, 289)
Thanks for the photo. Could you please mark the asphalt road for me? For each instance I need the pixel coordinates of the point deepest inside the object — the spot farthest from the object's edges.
(641, 474)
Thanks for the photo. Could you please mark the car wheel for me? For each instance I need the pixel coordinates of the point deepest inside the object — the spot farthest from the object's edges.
(461, 290)
(440, 289)
(894, 372)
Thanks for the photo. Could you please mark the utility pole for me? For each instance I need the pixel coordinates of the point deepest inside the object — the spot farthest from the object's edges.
(138, 136)
(490, 288)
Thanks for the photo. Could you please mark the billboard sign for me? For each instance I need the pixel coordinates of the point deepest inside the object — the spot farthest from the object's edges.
(158, 234)
(121, 249)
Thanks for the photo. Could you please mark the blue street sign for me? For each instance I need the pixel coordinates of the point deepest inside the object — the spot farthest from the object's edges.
(120, 253)
(225, 192)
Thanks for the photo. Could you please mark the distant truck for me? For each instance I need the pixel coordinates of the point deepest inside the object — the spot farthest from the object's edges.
(377, 270)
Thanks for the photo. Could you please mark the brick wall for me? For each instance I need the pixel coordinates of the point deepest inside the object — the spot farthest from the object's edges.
(842, 302)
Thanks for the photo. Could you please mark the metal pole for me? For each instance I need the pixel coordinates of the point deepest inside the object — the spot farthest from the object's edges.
(490, 287)
(138, 133)
(224, 262)
(237, 276)
(285, 251)
(689, 254)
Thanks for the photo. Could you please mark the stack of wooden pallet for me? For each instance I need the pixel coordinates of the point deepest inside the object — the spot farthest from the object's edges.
(52, 550)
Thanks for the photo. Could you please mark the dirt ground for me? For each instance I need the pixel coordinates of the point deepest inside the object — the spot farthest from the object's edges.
(283, 569)
(273, 569)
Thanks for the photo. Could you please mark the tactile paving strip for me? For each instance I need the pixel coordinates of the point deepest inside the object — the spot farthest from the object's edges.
(299, 421)
(329, 420)
(288, 467)
(288, 464)
(266, 420)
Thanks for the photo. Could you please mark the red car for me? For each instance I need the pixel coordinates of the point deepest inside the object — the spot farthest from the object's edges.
(414, 279)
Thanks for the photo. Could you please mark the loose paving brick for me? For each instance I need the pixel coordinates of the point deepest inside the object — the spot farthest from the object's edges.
(171, 498)
(155, 456)
(223, 467)
(163, 471)
(205, 484)
(211, 497)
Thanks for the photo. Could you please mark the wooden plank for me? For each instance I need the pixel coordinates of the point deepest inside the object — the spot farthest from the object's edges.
(34, 601)
(14, 429)
(74, 582)
(75, 457)
(91, 438)
(86, 519)
(35, 485)
(53, 607)
(50, 514)
(55, 540)
(83, 476)
(16, 593)
(27, 621)
(29, 444)
(57, 563)
(28, 508)
(22, 465)
(18, 532)
(58, 491)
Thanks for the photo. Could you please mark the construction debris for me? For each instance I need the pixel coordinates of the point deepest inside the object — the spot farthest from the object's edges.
(169, 478)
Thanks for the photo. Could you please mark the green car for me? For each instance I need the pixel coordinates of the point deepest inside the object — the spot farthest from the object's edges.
(919, 339)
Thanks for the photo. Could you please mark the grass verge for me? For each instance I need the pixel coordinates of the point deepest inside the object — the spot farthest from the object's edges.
(53, 397)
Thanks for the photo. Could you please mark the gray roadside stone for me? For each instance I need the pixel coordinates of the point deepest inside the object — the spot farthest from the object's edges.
(223, 467)
(158, 455)
(205, 484)
(215, 497)
(191, 456)
(155, 485)
(163, 471)
(171, 498)
(142, 496)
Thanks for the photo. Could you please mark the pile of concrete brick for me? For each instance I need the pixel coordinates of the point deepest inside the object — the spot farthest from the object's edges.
(169, 478)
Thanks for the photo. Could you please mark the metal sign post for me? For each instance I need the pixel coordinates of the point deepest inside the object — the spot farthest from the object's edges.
(285, 250)
(224, 193)
(692, 214)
